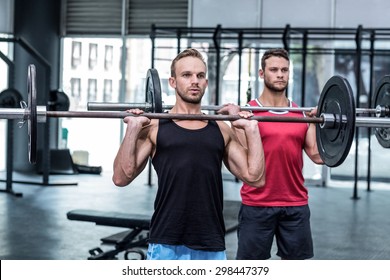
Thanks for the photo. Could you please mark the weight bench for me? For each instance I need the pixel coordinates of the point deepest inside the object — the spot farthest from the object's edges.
(138, 234)
(128, 241)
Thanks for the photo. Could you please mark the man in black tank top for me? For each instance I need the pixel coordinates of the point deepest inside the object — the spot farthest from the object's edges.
(188, 155)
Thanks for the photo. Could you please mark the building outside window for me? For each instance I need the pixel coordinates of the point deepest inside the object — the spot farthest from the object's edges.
(93, 56)
(76, 54)
(108, 57)
(92, 89)
(107, 90)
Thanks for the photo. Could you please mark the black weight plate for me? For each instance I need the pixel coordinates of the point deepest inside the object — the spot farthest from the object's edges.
(337, 99)
(10, 98)
(382, 97)
(153, 91)
(59, 101)
(32, 117)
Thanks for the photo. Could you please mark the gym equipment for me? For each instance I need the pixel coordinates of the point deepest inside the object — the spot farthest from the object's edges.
(10, 98)
(133, 241)
(32, 125)
(153, 102)
(335, 118)
(58, 101)
(382, 96)
(136, 236)
(153, 86)
(334, 144)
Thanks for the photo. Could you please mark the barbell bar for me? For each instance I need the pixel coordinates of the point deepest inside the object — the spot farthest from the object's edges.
(147, 107)
(335, 118)
(42, 114)
(325, 120)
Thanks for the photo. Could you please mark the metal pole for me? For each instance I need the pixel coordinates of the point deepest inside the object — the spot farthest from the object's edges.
(372, 42)
(358, 39)
(304, 67)
(359, 121)
(121, 115)
(240, 46)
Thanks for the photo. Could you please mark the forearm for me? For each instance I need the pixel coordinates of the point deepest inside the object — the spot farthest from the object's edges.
(240, 134)
(255, 157)
(125, 163)
(311, 147)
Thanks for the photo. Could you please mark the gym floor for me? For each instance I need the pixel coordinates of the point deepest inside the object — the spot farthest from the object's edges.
(35, 226)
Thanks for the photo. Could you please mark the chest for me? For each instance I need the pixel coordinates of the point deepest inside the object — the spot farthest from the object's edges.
(173, 138)
(282, 134)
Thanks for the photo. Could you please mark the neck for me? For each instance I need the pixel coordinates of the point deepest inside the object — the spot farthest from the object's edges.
(274, 100)
(187, 108)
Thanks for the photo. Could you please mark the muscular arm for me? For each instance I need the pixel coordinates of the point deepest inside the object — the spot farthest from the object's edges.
(311, 147)
(245, 162)
(133, 152)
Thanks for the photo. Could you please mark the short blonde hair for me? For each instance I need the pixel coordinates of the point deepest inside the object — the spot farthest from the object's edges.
(186, 53)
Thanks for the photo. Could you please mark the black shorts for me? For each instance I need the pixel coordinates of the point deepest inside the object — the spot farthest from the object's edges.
(290, 226)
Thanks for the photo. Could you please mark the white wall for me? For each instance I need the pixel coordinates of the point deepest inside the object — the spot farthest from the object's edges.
(6, 16)
(297, 13)
(229, 13)
(370, 14)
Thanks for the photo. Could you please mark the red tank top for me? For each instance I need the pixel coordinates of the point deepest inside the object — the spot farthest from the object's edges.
(283, 145)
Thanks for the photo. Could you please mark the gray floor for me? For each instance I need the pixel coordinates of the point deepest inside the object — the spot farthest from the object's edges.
(35, 225)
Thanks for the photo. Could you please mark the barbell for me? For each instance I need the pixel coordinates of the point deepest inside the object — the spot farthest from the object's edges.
(336, 115)
(337, 91)
(154, 104)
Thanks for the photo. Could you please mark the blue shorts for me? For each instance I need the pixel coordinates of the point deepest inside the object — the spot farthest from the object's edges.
(181, 252)
(290, 226)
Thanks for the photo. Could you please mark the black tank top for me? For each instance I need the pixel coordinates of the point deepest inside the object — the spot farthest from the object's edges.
(189, 201)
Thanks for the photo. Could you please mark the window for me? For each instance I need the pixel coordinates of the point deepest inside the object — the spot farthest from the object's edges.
(93, 56)
(92, 89)
(75, 88)
(100, 84)
(108, 57)
(107, 92)
(102, 17)
(76, 54)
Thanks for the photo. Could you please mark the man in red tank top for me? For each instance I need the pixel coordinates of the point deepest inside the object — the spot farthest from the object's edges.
(279, 209)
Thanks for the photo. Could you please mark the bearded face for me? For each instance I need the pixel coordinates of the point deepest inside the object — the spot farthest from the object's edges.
(278, 85)
(190, 81)
(276, 74)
